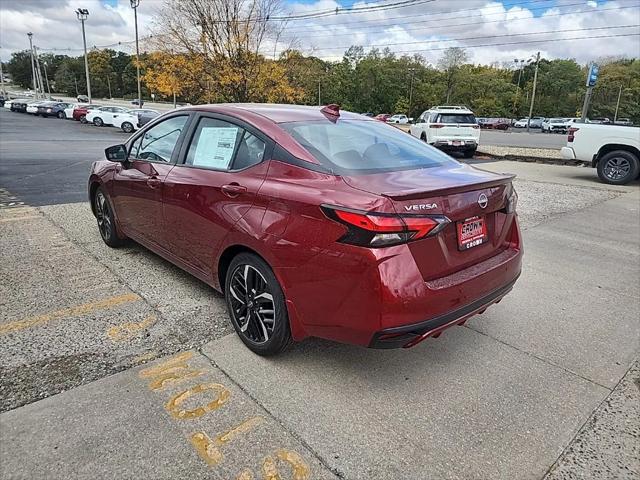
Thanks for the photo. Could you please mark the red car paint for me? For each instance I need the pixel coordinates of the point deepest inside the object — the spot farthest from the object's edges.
(80, 112)
(380, 297)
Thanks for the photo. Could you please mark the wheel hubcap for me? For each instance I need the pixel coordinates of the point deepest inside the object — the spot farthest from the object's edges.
(252, 306)
(617, 168)
(103, 215)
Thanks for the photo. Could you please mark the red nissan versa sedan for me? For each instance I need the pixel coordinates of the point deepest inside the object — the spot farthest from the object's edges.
(313, 221)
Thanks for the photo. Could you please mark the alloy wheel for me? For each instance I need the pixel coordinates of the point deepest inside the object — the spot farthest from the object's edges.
(252, 306)
(103, 215)
(617, 168)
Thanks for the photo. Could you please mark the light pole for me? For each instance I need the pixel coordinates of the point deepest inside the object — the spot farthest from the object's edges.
(533, 92)
(33, 65)
(1, 77)
(515, 101)
(412, 71)
(134, 5)
(82, 14)
(46, 77)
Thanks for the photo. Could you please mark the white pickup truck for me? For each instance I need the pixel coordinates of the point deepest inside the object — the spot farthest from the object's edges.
(614, 150)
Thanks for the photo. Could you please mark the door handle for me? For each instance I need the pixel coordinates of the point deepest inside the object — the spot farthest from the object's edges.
(154, 182)
(233, 190)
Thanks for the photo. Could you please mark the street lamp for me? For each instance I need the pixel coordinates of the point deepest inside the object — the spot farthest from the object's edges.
(134, 5)
(46, 76)
(33, 65)
(517, 61)
(82, 14)
(533, 92)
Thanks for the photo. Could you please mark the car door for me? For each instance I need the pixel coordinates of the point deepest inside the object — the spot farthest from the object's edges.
(214, 186)
(138, 183)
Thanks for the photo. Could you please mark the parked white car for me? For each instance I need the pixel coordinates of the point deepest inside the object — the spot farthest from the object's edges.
(555, 125)
(522, 123)
(399, 119)
(7, 104)
(104, 115)
(449, 128)
(128, 121)
(32, 107)
(614, 150)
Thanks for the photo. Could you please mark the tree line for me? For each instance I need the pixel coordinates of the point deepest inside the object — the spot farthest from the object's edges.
(200, 59)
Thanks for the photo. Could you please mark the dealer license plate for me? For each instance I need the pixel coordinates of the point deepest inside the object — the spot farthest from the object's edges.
(472, 232)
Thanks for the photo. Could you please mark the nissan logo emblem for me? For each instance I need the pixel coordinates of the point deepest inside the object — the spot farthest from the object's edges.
(483, 200)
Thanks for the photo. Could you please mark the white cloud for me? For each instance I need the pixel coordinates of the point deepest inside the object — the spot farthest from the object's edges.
(422, 28)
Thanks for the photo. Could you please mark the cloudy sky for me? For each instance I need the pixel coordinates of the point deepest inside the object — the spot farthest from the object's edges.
(491, 30)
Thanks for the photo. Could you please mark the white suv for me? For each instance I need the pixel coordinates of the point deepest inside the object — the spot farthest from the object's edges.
(449, 128)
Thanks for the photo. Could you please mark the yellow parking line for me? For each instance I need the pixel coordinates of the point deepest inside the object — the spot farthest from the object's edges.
(126, 331)
(68, 312)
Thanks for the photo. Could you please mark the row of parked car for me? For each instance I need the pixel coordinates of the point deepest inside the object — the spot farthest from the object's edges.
(127, 119)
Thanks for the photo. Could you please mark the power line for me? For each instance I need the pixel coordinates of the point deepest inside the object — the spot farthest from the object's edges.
(429, 22)
(484, 36)
(431, 14)
(522, 43)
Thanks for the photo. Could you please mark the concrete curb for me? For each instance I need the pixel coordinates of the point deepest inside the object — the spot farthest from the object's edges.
(546, 160)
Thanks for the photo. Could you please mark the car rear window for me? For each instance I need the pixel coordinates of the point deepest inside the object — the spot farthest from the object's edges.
(456, 118)
(360, 146)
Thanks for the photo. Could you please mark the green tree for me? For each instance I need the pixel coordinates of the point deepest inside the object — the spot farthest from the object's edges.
(19, 67)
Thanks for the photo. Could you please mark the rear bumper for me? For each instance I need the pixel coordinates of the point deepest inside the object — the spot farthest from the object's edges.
(410, 335)
(465, 144)
(568, 153)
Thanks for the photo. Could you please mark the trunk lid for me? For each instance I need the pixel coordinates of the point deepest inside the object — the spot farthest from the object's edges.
(453, 191)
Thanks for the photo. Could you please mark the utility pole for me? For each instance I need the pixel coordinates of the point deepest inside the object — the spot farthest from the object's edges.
(515, 101)
(412, 70)
(38, 71)
(2, 91)
(46, 77)
(134, 5)
(82, 14)
(615, 116)
(533, 92)
(109, 85)
(33, 64)
(592, 76)
(319, 93)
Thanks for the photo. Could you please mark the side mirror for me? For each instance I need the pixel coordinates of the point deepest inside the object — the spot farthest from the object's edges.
(116, 153)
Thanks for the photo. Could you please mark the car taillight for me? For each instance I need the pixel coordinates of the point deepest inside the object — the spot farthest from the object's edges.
(370, 229)
(49, 110)
(572, 135)
(436, 125)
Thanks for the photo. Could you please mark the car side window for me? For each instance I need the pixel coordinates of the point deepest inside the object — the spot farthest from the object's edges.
(157, 143)
(222, 145)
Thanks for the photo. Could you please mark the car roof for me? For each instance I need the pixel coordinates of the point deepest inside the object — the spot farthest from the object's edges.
(277, 113)
(451, 110)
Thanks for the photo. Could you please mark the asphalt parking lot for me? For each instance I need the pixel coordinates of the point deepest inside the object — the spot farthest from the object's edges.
(116, 364)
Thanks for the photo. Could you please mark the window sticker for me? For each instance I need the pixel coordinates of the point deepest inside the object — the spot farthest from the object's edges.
(215, 147)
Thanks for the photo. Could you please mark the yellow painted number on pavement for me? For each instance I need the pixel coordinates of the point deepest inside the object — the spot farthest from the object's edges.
(209, 449)
(171, 371)
(270, 470)
(173, 405)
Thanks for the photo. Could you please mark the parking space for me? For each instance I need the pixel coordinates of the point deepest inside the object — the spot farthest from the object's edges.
(115, 364)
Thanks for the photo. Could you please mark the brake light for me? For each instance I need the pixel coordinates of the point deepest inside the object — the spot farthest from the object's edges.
(370, 229)
(572, 135)
(436, 125)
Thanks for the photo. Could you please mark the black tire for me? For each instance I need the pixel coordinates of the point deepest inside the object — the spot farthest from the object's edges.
(469, 153)
(83, 119)
(127, 127)
(249, 283)
(423, 137)
(106, 221)
(98, 122)
(618, 167)
(61, 114)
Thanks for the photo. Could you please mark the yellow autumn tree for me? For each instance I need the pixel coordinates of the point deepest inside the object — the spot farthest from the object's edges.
(175, 74)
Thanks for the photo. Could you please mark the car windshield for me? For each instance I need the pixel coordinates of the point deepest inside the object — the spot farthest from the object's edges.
(456, 118)
(357, 146)
(556, 120)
